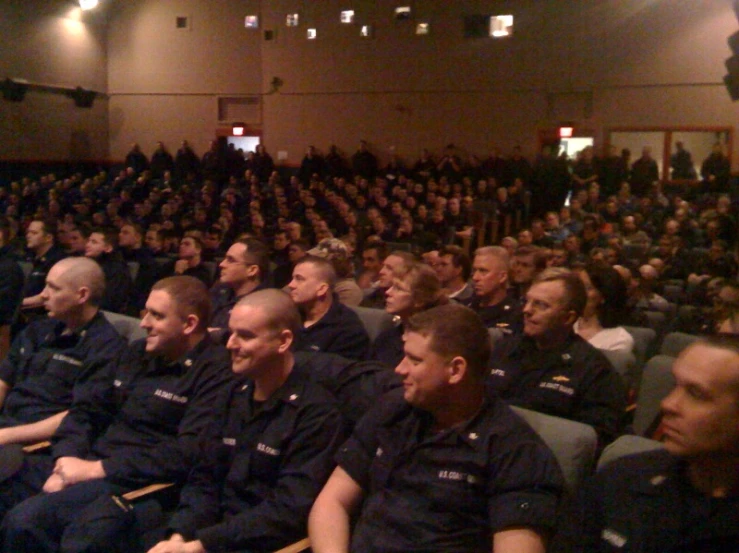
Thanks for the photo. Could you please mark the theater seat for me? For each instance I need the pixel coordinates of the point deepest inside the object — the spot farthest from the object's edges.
(625, 364)
(375, 321)
(626, 445)
(644, 342)
(657, 381)
(676, 342)
(573, 443)
(128, 327)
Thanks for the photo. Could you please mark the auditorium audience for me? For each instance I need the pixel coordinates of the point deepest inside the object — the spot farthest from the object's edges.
(636, 247)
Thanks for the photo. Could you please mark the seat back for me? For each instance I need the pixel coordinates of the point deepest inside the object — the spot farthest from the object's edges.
(625, 364)
(644, 342)
(375, 321)
(657, 381)
(676, 342)
(212, 270)
(133, 270)
(656, 320)
(128, 327)
(626, 445)
(573, 443)
(26, 267)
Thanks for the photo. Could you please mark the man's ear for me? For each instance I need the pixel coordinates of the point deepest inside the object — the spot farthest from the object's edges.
(191, 324)
(457, 369)
(83, 295)
(324, 289)
(571, 317)
(252, 271)
(286, 338)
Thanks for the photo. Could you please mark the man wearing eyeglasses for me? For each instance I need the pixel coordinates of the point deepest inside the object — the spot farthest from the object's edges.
(550, 369)
(243, 270)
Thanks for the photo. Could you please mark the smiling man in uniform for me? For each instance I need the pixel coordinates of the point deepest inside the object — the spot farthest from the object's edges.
(273, 450)
(437, 465)
(140, 425)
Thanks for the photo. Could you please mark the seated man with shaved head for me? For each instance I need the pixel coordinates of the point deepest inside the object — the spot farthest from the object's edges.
(272, 419)
(53, 356)
(328, 325)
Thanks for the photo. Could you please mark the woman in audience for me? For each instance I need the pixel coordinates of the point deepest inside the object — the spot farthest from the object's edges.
(605, 309)
(415, 290)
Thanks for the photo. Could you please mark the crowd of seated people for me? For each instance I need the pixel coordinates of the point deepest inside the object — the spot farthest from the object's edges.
(346, 232)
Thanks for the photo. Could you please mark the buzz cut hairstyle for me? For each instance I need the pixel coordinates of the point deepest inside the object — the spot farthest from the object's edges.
(455, 331)
(190, 296)
(575, 296)
(282, 313)
(325, 268)
(499, 252)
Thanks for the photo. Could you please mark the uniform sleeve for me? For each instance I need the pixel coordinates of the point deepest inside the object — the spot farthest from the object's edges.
(526, 486)
(94, 407)
(603, 402)
(282, 516)
(356, 454)
(200, 499)
(172, 458)
(9, 365)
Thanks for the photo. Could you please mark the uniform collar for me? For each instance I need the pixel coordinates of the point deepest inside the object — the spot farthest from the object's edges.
(290, 393)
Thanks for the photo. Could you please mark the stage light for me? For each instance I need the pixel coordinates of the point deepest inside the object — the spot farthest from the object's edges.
(88, 4)
(238, 129)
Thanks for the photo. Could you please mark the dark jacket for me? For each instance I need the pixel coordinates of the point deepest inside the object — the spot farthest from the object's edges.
(45, 368)
(144, 418)
(574, 381)
(262, 467)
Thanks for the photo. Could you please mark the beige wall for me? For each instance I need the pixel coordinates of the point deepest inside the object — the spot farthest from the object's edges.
(597, 63)
(52, 43)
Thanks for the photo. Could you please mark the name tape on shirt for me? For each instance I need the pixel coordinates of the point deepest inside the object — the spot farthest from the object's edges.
(66, 359)
(268, 450)
(557, 387)
(169, 396)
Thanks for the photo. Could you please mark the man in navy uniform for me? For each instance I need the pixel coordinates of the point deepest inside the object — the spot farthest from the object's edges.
(438, 466)
(684, 497)
(328, 325)
(273, 447)
(139, 426)
(54, 358)
(550, 369)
